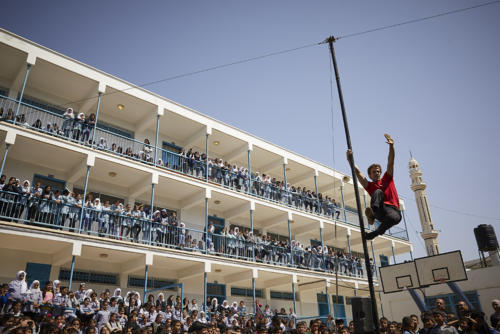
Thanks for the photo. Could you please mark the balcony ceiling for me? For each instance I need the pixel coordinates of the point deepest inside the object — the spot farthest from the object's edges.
(11, 62)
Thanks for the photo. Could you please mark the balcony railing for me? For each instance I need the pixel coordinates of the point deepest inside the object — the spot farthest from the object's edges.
(114, 222)
(55, 124)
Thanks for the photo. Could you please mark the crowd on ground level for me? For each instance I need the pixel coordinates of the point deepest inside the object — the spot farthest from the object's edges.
(64, 210)
(79, 128)
(54, 309)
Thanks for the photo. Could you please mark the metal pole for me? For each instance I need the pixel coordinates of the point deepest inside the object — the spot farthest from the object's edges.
(182, 291)
(290, 240)
(206, 225)
(294, 304)
(381, 304)
(406, 228)
(343, 204)
(249, 173)
(205, 292)
(317, 195)
(71, 273)
(456, 289)
(155, 155)
(349, 244)
(322, 248)
(253, 297)
(356, 190)
(151, 213)
(373, 255)
(251, 229)
(206, 157)
(417, 300)
(96, 117)
(145, 284)
(22, 92)
(83, 198)
(328, 300)
(4, 158)
(393, 254)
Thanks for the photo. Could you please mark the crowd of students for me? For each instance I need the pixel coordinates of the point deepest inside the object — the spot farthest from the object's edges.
(65, 210)
(80, 128)
(54, 309)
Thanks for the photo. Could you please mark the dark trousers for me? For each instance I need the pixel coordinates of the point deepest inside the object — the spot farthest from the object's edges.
(387, 215)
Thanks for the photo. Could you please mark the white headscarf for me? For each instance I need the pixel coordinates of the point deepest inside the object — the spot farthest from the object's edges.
(18, 287)
(54, 286)
(32, 286)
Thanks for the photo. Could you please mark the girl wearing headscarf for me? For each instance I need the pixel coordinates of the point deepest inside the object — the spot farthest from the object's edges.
(161, 304)
(67, 125)
(34, 298)
(18, 287)
(80, 294)
(78, 125)
(118, 295)
(56, 287)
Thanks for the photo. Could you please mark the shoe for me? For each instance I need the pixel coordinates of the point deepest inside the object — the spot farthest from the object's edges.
(369, 215)
(369, 236)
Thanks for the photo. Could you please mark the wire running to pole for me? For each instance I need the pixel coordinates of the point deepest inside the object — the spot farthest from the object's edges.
(417, 20)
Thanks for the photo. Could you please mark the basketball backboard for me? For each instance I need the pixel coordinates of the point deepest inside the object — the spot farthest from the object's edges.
(399, 277)
(441, 268)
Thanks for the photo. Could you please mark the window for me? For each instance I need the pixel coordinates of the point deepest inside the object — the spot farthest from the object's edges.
(384, 260)
(153, 283)
(103, 197)
(244, 292)
(55, 184)
(219, 223)
(89, 277)
(3, 91)
(215, 290)
(282, 295)
(450, 300)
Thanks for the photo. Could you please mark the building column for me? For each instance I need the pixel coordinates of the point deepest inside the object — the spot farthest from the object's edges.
(209, 132)
(10, 139)
(348, 235)
(290, 237)
(28, 68)
(158, 115)
(355, 290)
(101, 90)
(149, 262)
(208, 195)
(343, 203)
(404, 219)
(321, 226)
(208, 269)
(316, 190)
(250, 148)
(77, 251)
(255, 275)
(90, 164)
(393, 252)
(252, 209)
(294, 281)
(328, 296)
(285, 163)
(154, 181)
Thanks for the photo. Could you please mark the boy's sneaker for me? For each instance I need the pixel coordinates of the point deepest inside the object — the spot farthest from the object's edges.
(369, 215)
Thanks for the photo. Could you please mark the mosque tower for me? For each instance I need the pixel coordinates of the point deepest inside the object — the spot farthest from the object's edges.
(429, 233)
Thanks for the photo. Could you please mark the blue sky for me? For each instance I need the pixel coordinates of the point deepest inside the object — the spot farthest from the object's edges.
(433, 85)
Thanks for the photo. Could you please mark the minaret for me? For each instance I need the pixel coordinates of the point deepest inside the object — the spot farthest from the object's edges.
(429, 233)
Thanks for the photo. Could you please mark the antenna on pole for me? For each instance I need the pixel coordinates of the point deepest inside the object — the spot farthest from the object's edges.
(330, 40)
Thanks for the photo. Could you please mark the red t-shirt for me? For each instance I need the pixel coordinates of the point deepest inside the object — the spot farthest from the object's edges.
(386, 184)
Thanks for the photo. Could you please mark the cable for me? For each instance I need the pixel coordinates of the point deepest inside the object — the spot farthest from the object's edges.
(418, 20)
(457, 212)
(271, 54)
(178, 76)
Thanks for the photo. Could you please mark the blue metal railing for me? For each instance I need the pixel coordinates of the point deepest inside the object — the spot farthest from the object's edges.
(54, 124)
(116, 222)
